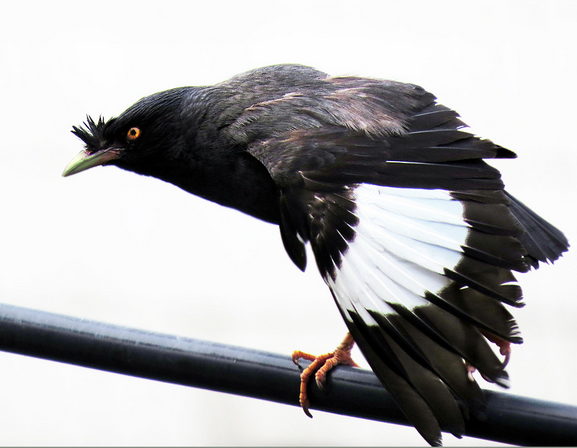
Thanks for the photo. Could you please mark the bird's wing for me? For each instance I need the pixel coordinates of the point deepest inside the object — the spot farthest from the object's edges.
(411, 230)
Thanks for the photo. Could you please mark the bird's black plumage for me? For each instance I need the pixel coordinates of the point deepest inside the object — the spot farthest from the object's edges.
(411, 229)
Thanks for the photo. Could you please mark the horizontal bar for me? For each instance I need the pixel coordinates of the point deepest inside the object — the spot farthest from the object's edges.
(252, 373)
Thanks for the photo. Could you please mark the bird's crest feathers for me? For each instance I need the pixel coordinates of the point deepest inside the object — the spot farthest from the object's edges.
(91, 133)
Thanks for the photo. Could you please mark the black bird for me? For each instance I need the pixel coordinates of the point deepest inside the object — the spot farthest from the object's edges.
(411, 229)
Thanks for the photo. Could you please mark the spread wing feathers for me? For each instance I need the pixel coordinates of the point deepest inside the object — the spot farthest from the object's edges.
(351, 130)
(406, 247)
(411, 230)
(389, 256)
(421, 276)
(415, 160)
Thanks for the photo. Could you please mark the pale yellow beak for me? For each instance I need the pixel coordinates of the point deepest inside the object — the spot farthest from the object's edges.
(85, 160)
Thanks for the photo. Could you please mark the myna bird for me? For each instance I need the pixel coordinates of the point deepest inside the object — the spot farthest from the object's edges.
(411, 229)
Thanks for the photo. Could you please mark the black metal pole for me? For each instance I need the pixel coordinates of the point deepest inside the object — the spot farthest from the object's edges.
(253, 373)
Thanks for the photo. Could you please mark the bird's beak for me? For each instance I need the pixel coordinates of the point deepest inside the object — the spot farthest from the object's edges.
(85, 160)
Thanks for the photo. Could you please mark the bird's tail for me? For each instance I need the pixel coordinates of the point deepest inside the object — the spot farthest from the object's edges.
(543, 241)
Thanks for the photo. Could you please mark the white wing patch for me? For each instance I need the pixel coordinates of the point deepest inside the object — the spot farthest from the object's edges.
(403, 241)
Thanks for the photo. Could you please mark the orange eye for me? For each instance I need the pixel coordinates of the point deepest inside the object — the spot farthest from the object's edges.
(133, 134)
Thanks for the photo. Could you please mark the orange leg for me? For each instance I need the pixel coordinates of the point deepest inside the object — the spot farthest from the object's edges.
(321, 365)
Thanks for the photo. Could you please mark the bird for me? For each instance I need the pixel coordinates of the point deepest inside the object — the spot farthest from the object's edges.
(411, 229)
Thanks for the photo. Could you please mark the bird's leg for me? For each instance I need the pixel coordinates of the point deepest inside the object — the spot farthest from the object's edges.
(321, 365)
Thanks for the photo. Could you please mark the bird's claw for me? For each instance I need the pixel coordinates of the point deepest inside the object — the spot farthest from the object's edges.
(297, 354)
(305, 405)
(320, 365)
(504, 349)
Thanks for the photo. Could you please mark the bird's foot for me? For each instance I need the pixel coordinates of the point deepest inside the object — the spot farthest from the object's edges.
(320, 365)
(504, 349)
(504, 346)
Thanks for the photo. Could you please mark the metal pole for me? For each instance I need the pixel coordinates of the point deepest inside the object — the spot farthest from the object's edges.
(257, 374)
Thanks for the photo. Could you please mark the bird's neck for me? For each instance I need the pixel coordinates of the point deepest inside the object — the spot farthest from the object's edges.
(233, 178)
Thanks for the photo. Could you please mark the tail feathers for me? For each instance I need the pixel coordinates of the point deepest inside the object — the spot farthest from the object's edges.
(543, 242)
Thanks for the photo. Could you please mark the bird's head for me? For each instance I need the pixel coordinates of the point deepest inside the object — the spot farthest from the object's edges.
(146, 133)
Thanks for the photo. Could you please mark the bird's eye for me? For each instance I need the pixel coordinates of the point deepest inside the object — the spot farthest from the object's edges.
(133, 134)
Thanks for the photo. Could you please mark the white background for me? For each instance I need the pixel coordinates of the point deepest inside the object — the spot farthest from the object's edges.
(112, 246)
